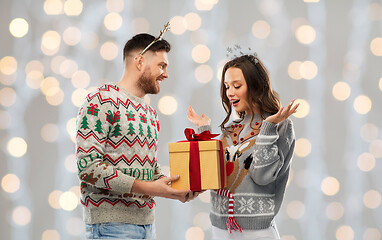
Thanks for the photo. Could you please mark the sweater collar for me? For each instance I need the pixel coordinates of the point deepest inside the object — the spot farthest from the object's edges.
(247, 118)
(130, 95)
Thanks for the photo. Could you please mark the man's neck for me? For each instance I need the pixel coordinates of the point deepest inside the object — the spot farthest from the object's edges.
(129, 83)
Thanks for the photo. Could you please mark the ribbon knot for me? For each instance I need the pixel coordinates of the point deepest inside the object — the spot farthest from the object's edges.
(204, 136)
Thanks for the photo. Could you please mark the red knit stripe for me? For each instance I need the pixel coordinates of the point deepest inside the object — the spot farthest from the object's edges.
(116, 103)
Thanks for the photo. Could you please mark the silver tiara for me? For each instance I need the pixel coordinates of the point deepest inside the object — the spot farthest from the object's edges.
(237, 51)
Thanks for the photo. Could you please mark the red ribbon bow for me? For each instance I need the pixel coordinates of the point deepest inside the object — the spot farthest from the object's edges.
(204, 136)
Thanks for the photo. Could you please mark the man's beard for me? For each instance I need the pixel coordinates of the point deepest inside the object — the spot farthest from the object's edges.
(148, 83)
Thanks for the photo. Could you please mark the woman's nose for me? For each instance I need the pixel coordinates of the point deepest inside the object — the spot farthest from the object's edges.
(230, 92)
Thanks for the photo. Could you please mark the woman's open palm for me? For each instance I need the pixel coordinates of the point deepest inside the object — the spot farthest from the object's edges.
(196, 119)
(283, 114)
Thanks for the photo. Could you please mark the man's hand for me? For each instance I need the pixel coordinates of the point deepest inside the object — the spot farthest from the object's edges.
(161, 188)
(192, 195)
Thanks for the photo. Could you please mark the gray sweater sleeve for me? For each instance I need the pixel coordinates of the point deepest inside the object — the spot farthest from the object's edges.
(273, 151)
(203, 128)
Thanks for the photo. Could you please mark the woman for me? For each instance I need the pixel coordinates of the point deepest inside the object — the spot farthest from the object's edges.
(258, 150)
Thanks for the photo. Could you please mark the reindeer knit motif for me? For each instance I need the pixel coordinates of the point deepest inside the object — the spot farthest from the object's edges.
(116, 144)
(257, 164)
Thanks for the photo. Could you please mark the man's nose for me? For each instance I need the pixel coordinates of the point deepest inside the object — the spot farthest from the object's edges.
(165, 74)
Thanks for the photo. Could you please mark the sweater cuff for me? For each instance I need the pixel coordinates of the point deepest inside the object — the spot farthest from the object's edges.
(268, 128)
(125, 184)
(203, 128)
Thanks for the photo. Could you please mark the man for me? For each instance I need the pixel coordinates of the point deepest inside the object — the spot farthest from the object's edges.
(117, 135)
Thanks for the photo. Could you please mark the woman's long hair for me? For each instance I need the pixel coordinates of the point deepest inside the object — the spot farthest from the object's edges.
(260, 93)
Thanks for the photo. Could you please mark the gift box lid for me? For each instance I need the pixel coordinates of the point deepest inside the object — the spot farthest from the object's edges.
(185, 146)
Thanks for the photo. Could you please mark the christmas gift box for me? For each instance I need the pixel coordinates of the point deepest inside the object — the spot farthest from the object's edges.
(199, 162)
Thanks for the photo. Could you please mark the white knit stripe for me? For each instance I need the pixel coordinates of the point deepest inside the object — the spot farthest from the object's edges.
(243, 215)
(264, 165)
(249, 194)
(253, 194)
(230, 204)
(264, 143)
(226, 193)
(266, 137)
(223, 192)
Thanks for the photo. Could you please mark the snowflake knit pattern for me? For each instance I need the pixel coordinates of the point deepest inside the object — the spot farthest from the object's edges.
(116, 143)
(257, 166)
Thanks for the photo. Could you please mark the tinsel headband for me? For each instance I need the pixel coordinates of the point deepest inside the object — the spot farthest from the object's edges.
(237, 51)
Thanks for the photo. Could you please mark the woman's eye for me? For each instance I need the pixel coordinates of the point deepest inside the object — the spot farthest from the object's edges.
(237, 87)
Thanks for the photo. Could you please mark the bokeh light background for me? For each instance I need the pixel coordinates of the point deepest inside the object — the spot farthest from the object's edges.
(326, 54)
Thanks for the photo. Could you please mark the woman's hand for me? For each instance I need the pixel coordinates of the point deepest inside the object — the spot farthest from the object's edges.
(283, 114)
(196, 119)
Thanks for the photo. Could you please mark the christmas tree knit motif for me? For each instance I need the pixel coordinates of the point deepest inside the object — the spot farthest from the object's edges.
(131, 129)
(156, 135)
(117, 131)
(84, 123)
(98, 126)
(141, 130)
(149, 132)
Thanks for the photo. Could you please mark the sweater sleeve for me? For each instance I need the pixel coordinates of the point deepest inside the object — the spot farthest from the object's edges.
(93, 129)
(158, 174)
(272, 152)
(203, 128)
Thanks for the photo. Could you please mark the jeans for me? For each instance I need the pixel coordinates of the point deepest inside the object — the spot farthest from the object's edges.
(119, 231)
(270, 233)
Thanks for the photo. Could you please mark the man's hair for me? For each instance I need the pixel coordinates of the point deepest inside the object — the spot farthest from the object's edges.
(141, 41)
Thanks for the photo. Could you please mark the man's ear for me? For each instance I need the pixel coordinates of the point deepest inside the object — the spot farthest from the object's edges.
(139, 62)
